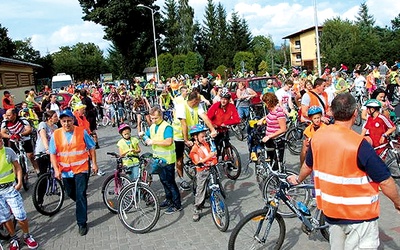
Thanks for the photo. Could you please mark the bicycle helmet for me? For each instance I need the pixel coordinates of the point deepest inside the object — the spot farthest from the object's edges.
(373, 103)
(122, 127)
(225, 93)
(314, 110)
(197, 129)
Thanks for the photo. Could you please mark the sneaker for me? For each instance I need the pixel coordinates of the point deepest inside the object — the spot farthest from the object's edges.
(184, 185)
(14, 245)
(172, 210)
(165, 203)
(31, 242)
(196, 215)
(253, 156)
(83, 230)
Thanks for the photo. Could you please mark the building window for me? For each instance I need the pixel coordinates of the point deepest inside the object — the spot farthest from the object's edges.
(298, 57)
(297, 44)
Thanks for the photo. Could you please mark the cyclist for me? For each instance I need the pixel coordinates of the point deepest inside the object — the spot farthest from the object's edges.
(187, 114)
(16, 128)
(316, 97)
(270, 87)
(165, 100)
(223, 113)
(315, 115)
(141, 104)
(75, 99)
(378, 127)
(359, 82)
(113, 98)
(341, 85)
(244, 95)
(29, 114)
(150, 90)
(129, 146)
(10, 198)
(203, 157)
(284, 95)
(343, 68)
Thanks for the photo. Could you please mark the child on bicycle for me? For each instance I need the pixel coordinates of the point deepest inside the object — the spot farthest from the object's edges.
(315, 114)
(378, 127)
(129, 146)
(203, 157)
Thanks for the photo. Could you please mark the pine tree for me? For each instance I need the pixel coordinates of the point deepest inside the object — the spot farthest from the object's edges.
(186, 15)
(170, 22)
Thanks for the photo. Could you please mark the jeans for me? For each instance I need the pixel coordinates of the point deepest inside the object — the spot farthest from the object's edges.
(243, 112)
(167, 178)
(76, 189)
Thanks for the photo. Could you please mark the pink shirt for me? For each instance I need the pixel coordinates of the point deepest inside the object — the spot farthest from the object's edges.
(273, 120)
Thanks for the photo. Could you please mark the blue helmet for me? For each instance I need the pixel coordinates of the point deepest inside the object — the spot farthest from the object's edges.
(197, 129)
(314, 110)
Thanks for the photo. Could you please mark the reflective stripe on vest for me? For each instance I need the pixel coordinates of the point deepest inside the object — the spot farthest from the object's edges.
(191, 120)
(165, 152)
(72, 156)
(6, 168)
(343, 191)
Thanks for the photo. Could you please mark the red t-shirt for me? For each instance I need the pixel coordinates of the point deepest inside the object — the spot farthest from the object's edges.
(376, 127)
(227, 115)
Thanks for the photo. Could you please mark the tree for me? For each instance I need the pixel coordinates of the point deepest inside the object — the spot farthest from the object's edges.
(165, 65)
(244, 57)
(115, 63)
(396, 23)
(223, 54)
(178, 64)
(363, 19)
(170, 22)
(239, 34)
(186, 31)
(25, 52)
(7, 47)
(210, 36)
(128, 26)
(84, 61)
(193, 64)
(262, 48)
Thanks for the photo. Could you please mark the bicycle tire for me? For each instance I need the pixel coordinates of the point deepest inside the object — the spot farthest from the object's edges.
(106, 121)
(234, 169)
(136, 217)
(133, 120)
(238, 132)
(272, 183)
(324, 231)
(394, 167)
(49, 206)
(219, 211)
(189, 170)
(294, 136)
(244, 235)
(25, 176)
(358, 120)
(109, 193)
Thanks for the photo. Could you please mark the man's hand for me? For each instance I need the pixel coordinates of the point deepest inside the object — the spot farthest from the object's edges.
(57, 174)
(18, 186)
(325, 119)
(189, 143)
(293, 179)
(214, 133)
(95, 168)
(15, 137)
(149, 142)
(265, 139)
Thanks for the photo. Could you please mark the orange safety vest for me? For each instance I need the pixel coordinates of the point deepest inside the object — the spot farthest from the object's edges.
(7, 106)
(202, 155)
(72, 156)
(314, 101)
(82, 122)
(343, 191)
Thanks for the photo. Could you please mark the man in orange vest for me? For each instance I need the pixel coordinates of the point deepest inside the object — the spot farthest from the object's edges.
(316, 97)
(70, 148)
(347, 175)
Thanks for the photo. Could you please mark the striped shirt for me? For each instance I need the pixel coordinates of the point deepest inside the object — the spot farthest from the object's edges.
(273, 120)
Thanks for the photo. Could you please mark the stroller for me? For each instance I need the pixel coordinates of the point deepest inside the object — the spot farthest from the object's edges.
(255, 134)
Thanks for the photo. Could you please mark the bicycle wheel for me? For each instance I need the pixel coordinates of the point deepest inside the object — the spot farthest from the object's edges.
(25, 176)
(270, 187)
(133, 120)
(48, 195)
(106, 121)
(110, 192)
(324, 231)
(219, 211)
(238, 132)
(394, 167)
(295, 140)
(358, 120)
(138, 208)
(250, 231)
(189, 169)
(233, 164)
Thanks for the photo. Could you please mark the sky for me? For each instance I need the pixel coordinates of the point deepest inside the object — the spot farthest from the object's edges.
(54, 23)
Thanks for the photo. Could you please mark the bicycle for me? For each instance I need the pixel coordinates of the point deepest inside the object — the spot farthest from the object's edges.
(216, 193)
(23, 161)
(48, 193)
(265, 228)
(113, 184)
(361, 97)
(294, 137)
(390, 155)
(143, 124)
(106, 118)
(138, 205)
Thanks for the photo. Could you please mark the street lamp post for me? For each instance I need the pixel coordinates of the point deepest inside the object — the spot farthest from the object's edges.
(154, 38)
(317, 38)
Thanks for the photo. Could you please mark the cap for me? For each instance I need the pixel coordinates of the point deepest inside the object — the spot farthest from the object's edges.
(66, 112)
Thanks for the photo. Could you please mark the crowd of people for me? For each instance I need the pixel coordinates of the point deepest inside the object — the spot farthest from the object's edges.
(68, 137)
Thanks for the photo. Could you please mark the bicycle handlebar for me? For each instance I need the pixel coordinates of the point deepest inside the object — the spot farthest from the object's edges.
(118, 156)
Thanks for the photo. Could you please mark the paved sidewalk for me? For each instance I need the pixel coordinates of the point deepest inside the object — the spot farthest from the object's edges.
(176, 231)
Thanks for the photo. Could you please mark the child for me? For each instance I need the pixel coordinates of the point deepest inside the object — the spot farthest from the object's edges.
(203, 157)
(129, 146)
(378, 127)
(315, 114)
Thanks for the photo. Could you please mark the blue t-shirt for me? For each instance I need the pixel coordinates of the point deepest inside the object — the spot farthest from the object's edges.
(88, 141)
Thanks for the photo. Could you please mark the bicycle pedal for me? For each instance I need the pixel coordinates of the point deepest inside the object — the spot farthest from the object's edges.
(305, 229)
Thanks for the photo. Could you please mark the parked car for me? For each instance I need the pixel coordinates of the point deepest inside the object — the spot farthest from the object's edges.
(255, 83)
(62, 98)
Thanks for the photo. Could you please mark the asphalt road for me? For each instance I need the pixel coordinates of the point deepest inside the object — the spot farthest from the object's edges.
(176, 231)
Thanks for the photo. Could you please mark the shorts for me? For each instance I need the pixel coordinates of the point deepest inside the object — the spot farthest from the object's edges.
(179, 149)
(363, 235)
(28, 147)
(92, 122)
(10, 198)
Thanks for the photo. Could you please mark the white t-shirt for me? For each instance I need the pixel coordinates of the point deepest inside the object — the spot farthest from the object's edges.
(284, 97)
(359, 82)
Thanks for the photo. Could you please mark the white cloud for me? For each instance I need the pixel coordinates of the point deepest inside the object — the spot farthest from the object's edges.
(70, 35)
